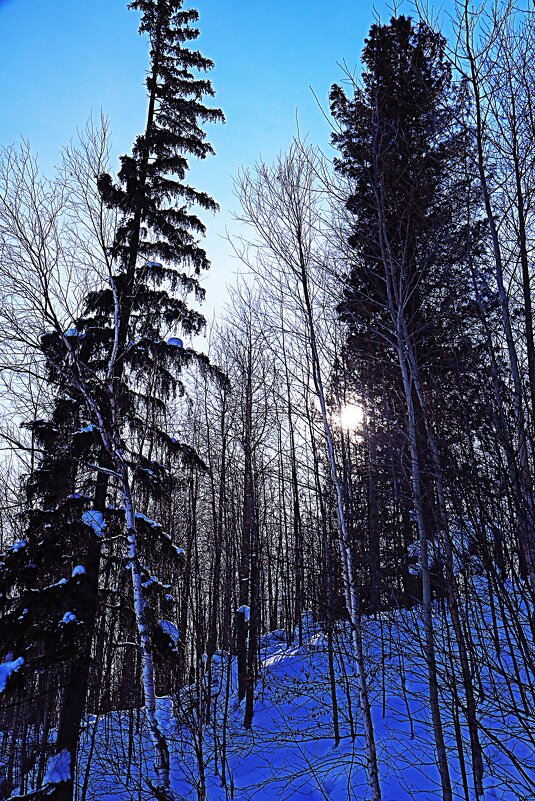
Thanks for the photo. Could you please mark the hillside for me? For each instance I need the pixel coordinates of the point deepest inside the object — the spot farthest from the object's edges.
(290, 752)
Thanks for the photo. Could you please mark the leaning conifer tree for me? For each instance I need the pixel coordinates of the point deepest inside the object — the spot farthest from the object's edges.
(114, 371)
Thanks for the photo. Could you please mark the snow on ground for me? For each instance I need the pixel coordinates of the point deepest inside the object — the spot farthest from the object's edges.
(290, 753)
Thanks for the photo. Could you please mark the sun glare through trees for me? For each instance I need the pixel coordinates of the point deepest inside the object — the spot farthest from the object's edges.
(351, 416)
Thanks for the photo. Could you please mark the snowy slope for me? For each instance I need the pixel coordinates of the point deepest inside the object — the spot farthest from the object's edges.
(290, 753)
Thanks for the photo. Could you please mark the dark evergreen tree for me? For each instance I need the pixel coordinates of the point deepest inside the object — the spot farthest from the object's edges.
(409, 301)
(108, 438)
(402, 150)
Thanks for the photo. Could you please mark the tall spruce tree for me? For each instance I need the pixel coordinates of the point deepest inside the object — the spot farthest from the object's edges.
(408, 295)
(114, 371)
(402, 150)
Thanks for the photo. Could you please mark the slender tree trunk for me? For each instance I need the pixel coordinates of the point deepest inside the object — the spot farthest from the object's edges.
(471, 713)
(241, 616)
(251, 536)
(397, 292)
(161, 748)
(350, 590)
(427, 606)
(296, 504)
(75, 693)
(524, 261)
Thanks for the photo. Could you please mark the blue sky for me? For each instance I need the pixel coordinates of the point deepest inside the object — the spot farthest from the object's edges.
(66, 59)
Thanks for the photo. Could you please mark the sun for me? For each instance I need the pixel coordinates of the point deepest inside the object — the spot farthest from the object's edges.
(351, 416)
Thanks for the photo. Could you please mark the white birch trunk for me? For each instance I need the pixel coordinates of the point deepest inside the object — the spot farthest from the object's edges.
(161, 748)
